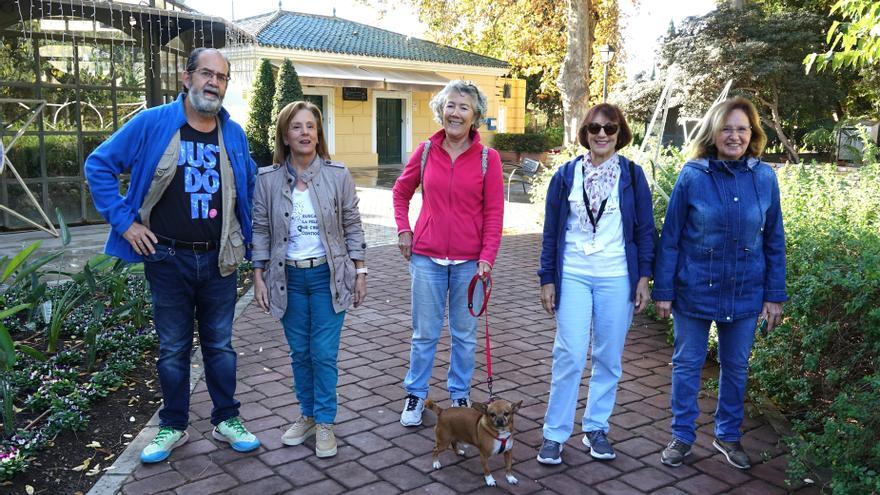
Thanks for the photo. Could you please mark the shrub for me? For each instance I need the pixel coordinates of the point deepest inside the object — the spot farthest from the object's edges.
(521, 143)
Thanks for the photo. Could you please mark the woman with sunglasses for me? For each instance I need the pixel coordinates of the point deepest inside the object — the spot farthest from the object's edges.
(596, 258)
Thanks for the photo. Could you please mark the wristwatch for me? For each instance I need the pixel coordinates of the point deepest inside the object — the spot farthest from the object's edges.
(363, 270)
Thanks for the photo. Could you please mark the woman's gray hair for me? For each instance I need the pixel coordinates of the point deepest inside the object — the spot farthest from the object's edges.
(481, 106)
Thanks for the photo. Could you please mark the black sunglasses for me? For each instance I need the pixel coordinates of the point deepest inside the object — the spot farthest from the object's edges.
(610, 129)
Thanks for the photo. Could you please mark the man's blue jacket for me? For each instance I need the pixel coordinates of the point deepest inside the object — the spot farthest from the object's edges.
(137, 148)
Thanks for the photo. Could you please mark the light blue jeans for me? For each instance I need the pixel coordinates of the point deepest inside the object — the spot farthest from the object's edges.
(312, 329)
(431, 285)
(603, 304)
(735, 341)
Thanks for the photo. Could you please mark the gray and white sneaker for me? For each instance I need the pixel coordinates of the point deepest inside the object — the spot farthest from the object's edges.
(412, 411)
(550, 453)
(734, 453)
(600, 447)
(674, 453)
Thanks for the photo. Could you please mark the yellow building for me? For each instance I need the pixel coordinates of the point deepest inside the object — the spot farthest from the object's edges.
(373, 85)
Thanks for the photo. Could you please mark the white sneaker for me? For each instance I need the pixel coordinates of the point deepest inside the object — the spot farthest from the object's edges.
(412, 411)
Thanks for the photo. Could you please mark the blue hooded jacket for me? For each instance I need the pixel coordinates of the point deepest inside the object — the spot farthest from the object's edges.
(137, 148)
(722, 247)
(637, 218)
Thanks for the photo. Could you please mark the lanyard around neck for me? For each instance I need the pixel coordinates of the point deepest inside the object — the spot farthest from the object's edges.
(594, 221)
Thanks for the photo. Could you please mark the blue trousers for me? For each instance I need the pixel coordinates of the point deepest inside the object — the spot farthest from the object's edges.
(603, 304)
(312, 329)
(431, 284)
(186, 285)
(735, 341)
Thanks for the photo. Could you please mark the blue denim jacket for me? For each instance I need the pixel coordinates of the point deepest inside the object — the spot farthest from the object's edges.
(638, 224)
(722, 247)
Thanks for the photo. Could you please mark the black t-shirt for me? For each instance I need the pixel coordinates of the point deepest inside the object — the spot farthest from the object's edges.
(191, 209)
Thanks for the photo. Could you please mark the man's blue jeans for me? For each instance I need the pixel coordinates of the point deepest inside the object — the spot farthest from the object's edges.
(312, 329)
(187, 284)
(735, 341)
(431, 283)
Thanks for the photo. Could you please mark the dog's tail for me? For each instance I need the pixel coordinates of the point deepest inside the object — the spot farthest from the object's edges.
(429, 404)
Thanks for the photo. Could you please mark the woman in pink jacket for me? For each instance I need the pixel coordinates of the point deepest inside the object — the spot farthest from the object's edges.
(456, 236)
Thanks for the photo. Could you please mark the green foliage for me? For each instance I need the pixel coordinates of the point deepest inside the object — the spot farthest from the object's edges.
(821, 366)
(528, 143)
(259, 122)
(820, 139)
(288, 90)
(853, 41)
(554, 136)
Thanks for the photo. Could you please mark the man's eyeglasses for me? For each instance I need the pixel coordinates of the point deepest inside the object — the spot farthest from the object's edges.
(210, 75)
(730, 131)
(610, 129)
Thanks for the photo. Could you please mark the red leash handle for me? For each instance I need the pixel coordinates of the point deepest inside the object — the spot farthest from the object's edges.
(487, 291)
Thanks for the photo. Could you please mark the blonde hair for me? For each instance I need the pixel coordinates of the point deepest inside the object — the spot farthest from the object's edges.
(703, 145)
(284, 117)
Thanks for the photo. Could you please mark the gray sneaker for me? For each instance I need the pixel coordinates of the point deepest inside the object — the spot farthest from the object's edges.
(600, 447)
(734, 453)
(550, 453)
(675, 452)
(412, 411)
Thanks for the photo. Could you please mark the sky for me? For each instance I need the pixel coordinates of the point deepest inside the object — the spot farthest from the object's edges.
(642, 25)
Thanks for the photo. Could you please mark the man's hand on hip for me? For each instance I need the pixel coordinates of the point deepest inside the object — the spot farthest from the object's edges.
(141, 239)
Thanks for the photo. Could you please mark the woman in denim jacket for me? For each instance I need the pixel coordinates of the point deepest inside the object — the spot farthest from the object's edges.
(721, 259)
(596, 258)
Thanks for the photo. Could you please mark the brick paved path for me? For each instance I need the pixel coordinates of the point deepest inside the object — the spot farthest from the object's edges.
(377, 455)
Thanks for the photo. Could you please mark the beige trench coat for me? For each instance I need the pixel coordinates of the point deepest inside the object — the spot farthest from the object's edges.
(335, 200)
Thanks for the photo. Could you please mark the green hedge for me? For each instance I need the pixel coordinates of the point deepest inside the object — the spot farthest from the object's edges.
(521, 143)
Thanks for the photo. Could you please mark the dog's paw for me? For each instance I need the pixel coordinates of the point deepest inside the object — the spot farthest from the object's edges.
(490, 481)
(436, 465)
(512, 479)
(460, 451)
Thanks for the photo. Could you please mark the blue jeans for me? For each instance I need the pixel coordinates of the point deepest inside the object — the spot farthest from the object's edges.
(185, 284)
(312, 329)
(603, 304)
(431, 284)
(735, 341)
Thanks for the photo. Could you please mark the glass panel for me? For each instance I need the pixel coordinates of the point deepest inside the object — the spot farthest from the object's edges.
(25, 156)
(16, 60)
(128, 104)
(66, 195)
(21, 204)
(94, 64)
(16, 114)
(92, 142)
(57, 61)
(92, 214)
(129, 62)
(61, 160)
(96, 108)
(62, 111)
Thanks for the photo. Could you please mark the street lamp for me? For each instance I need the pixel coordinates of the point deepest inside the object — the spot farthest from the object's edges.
(607, 53)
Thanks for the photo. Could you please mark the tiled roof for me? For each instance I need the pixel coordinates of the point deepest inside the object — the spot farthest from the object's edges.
(335, 35)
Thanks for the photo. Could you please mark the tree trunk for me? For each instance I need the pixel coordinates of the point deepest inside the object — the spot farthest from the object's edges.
(777, 126)
(574, 78)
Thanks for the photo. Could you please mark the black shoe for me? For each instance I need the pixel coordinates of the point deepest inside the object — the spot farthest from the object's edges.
(600, 447)
(461, 402)
(734, 453)
(550, 453)
(675, 452)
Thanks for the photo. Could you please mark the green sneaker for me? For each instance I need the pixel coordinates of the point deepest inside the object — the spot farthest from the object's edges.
(163, 443)
(233, 432)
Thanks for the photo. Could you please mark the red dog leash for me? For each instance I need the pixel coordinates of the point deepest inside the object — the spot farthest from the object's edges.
(487, 290)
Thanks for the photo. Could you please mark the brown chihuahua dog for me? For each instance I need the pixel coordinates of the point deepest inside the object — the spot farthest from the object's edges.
(488, 427)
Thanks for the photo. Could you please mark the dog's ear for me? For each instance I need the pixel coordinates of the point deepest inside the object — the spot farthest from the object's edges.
(480, 407)
(515, 407)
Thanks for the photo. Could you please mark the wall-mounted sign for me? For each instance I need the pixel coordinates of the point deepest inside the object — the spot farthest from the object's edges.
(354, 94)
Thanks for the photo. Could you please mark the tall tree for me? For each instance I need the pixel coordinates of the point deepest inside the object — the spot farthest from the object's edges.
(855, 40)
(259, 121)
(762, 52)
(574, 78)
(287, 90)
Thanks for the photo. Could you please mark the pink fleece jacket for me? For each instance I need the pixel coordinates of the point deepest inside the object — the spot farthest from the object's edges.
(462, 211)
